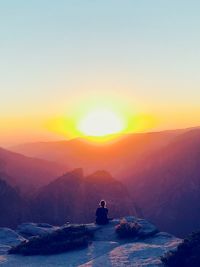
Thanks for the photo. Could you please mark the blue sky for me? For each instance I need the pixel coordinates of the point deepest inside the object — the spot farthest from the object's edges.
(51, 51)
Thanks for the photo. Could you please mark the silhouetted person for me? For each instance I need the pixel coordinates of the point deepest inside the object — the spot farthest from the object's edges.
(102, 213)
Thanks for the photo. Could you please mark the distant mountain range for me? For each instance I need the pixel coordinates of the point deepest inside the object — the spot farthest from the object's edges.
(116, 157)
(74, 198)
(166, 184)
(27, 173)
(158, 175)
(69, 198)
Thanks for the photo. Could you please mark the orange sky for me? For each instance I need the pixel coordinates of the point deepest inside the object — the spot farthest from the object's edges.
(62, 60)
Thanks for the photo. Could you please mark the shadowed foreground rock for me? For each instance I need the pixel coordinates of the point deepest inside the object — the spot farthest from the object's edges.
(187, 253)
(106, 248)
(61, 240)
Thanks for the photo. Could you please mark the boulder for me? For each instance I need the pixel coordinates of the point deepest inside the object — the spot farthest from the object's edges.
(107, 232)
(147, 229)
(35, 229)
(9, 237)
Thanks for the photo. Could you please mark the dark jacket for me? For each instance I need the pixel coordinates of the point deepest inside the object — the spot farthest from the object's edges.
(102, 215)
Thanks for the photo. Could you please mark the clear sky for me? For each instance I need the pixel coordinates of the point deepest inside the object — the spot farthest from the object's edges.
(56, 57)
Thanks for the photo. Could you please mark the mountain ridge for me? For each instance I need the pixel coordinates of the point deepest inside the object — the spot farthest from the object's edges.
(110, 156)
(169, 182)
(27, 172)
(74, 197)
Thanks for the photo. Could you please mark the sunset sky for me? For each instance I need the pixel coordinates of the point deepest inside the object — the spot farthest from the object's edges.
(62, 61)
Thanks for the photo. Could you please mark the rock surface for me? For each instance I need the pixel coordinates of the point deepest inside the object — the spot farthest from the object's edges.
(108, 231)
(35, 229)
(9, 237)
(106, 249)
(145, 253)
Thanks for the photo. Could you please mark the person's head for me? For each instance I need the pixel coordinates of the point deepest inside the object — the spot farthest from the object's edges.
(102, 203)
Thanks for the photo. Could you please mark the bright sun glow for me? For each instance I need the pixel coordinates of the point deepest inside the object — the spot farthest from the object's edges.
(101, 122)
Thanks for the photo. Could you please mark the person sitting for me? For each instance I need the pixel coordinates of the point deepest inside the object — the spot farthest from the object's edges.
(102, 213)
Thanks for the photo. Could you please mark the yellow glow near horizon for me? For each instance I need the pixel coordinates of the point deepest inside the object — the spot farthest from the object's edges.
(100, 118)
(101, 122)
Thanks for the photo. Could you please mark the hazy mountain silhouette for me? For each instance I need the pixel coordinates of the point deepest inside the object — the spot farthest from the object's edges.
(12, 206)
(74, 198)
(117, 157)
(27, 172)
(166, 184)
(160, 170)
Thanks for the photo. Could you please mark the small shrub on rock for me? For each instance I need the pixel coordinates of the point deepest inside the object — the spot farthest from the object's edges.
(127, 229)
(187, 253)
(62, 240)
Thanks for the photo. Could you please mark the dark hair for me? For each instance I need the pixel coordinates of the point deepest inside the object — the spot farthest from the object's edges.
(102, 203)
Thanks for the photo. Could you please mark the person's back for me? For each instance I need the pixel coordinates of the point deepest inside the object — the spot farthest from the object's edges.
(102, 213)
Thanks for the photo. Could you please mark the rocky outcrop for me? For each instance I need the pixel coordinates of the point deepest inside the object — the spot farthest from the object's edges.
(106, 249)
(8, 238)
(140, 253)
(35, 229)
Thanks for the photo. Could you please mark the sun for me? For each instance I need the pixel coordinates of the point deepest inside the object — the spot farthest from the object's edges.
(101, 122)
